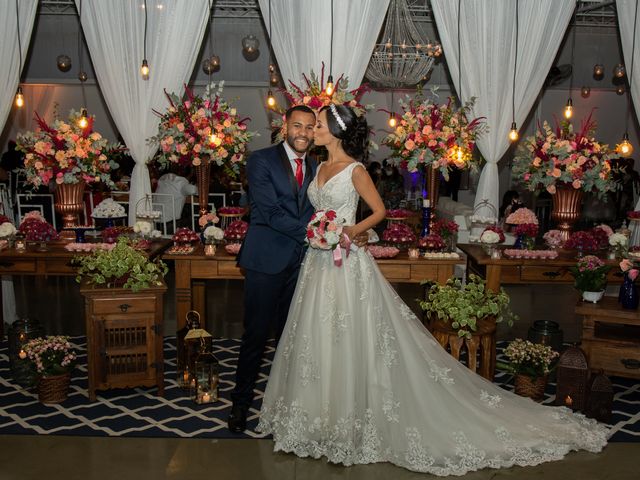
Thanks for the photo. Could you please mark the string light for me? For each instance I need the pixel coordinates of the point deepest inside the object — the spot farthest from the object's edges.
(144, 69)
(329, 89)
(83, 121)
(513, 133)
(625, 149)
(568, 109)
(271, 100)
(19, 98)
(19, 95)
(393, 121)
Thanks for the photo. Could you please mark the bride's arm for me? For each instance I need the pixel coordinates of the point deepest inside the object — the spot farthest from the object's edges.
(367, 190)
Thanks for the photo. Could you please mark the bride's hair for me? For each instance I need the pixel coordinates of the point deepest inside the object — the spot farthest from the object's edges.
(353, 130)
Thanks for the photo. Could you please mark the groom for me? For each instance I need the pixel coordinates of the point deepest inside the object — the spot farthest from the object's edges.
(274, 246)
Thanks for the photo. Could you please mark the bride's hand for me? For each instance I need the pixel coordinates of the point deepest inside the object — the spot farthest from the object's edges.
(360, 239)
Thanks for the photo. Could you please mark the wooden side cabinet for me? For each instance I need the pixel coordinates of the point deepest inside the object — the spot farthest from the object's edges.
(124, 338)
(611, 337)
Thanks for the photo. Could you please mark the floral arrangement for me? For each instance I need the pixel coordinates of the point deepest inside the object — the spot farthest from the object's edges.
(606, 228)
(527, 358)
(490, 237)
(520, 216)
(378, 251)
(202, 129)
(495, 229)
(398, 233)
(463, 305)
(236, 230)
(560, 157)
(143, 228)
(7, 229)
(432, 242)
(36, 229)
(323, 230)
(629, 269)
(108, 208)
(185, 235)
(213, 233)
(435, 136)
(445, 228)
(207, 219)
(588, 241)
(399, 213)
(618, 242)
(122, 266)
(529, 230)
(590, 274)
(64, 152)
(52, 355)
(111, 234)
(553, 238)
(314, 96)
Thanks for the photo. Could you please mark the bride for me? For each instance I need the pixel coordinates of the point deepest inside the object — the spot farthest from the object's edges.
(358, 379)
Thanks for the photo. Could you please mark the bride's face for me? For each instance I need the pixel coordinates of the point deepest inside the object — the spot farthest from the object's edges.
(322, 134)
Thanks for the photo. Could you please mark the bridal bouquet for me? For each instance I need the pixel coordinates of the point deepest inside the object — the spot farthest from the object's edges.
(64, 152)
(436, 136)
(560, 157)
(202, 129)
(323, 232)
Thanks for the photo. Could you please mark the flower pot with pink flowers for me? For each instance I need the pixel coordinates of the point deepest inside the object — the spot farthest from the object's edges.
(590, 274)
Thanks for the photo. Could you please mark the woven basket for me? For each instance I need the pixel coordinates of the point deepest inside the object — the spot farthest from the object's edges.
(527, 387)
(54, 389)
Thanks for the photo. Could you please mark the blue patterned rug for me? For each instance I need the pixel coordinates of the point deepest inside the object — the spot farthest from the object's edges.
(138, 412)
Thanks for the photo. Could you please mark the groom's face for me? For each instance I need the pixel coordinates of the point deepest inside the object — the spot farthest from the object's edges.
(299, 131)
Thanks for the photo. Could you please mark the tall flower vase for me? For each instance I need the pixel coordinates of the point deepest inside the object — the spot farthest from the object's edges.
(68, 203)
(629, 297)
(432, 186)
(567, 207)
(203, 174)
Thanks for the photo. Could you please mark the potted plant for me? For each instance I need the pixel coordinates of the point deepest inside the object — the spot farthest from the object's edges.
(590, 274)
(531, 364)
(466, 315)
(53, 359)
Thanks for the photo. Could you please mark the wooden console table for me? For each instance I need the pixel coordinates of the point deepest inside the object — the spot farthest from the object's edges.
(522, 271)
(611, 337)
(192, 270)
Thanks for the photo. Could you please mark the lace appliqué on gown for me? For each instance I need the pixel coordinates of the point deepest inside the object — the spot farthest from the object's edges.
(372, 385)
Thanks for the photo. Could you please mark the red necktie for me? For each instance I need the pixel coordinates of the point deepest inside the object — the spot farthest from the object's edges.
(299, 175)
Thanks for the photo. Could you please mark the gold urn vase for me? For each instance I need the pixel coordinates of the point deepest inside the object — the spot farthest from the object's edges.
(432, 185)
(68, 203)
(567, 207)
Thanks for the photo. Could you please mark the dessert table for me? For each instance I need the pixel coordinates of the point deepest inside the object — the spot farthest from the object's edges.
(526, 271)
(193, 269)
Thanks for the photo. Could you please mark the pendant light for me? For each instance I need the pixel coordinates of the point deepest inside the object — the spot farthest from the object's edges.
(144, 69)
(513, 133)
(83, 121)
(393, 121)
(457, 153)
(271, 100)
(19, 96)
(625, 149)
(82, 75)
(211, 64)
(568, 108)
(330, 87)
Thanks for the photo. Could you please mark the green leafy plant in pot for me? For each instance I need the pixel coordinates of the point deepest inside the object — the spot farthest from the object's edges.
(121, 267)
(463, 305)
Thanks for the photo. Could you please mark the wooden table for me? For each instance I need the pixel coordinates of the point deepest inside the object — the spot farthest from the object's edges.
(522, 271)
(611, 337)
(192, 270)
(55, 261)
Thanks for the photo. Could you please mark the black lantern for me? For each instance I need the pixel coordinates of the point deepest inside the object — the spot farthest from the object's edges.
(19, 334)
(206, 376)
(600, 401)
(573, 379)
(182, 370)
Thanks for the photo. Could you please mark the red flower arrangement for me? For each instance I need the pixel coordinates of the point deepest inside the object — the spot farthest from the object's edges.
(231, 210)
(111, 234)
(236, 230)
(185, 235)
(526, 230)
(398, 233)
(590, 240)
(36, 230)
(432, 242)
(445, 228)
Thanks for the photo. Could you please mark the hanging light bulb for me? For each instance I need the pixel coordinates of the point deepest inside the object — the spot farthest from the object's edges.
(598, 71)
(63, 62)
(215, 140)
(83, 121)
(568, 109)
(82, 76)
(624, 148)
(273, 79)
(329, 88)
(513, 133)
(271, 100)
(393, 121)
(619, 71)
(585, 92)
(620, 89)
(19, 98)
(272, 68)
(144, 70)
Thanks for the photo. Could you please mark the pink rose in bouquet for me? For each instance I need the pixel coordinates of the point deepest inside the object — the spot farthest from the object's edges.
(323, 230)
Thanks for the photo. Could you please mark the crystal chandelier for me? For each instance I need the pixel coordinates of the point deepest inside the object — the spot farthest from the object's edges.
(405, 57)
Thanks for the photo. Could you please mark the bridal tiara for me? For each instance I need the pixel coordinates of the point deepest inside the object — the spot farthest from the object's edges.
(334, 110)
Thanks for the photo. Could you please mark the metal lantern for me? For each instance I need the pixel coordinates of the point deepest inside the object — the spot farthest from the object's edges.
(196, 341)
(19, 334)
(206, 377)
(183, 372)
(250, 44)
(600, 401)
(572, 379)
(64, 63)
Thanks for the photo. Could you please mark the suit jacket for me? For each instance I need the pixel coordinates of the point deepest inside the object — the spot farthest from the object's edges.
(280, 211)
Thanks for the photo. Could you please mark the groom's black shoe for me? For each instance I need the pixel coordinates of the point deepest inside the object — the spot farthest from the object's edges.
(237, 421)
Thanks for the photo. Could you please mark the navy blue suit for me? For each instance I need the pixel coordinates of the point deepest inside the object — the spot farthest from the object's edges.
(270, 256)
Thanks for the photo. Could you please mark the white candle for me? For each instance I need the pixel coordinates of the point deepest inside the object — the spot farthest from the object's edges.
(426, 203)
(206, 398)
(22, 354)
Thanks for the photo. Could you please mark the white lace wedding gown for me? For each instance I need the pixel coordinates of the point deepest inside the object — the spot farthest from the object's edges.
(357, 379)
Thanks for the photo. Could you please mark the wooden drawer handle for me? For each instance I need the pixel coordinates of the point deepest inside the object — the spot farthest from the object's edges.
(124, 307)
(551, 274)
(7, 264)
(631, 363)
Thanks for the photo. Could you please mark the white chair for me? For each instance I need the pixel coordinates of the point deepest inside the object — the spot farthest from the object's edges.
(6, 206)
(43, 202)
(216, 200)
(166, 204)
(122, 198)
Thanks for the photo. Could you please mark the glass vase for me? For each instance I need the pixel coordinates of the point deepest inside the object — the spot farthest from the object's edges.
(628, 296)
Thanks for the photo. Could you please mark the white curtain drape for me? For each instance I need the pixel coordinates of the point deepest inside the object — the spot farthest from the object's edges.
(9, 57)
(487, 44)
(301, 36)
(114, 32)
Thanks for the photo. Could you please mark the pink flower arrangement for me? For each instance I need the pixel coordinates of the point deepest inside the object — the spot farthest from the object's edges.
(606, 229)
(323, 230)
(51, 355)
(522, 215)
(432, 242)
(435, 136)
(207, 219)
(628, 269)
(202, 129)
(64, 152)
(553, 238)
(590, 274)
(497, 230)
(185, 235)
(236, 230)
(378, 251)
(560, 157)
(398, 233)
(445, 228)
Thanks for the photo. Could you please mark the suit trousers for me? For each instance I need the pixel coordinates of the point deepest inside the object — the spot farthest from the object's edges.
(266, 301)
